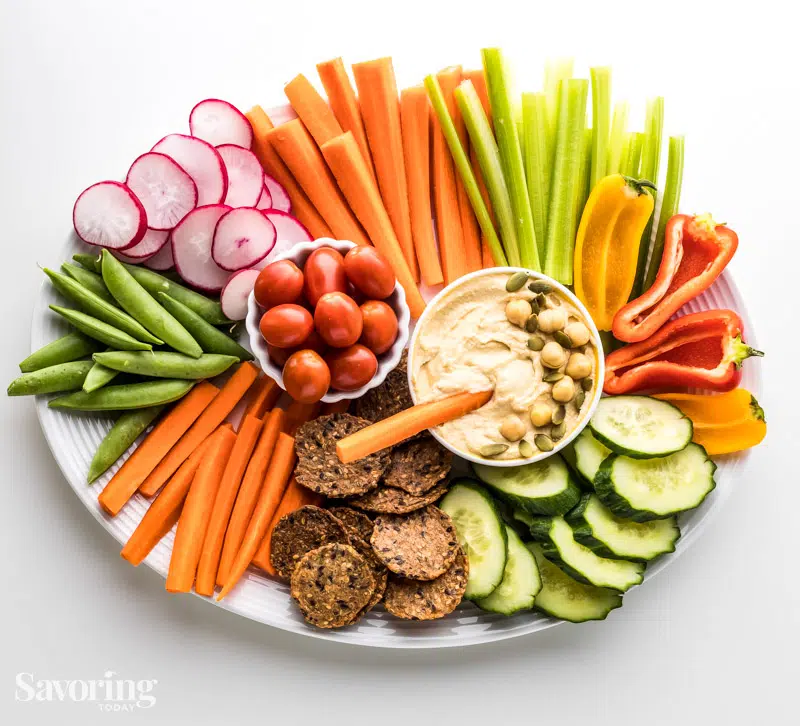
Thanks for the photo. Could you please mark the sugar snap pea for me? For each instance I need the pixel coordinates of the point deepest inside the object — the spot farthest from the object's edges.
(162, 364)
(66, 349)
(53, 379)
(126, 397)
(98, 377)
(100, 330)
(88, 262)
(90, 280)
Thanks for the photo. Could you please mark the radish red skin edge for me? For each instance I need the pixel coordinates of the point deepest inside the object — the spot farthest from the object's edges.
(289, 232)
(265, 200)
(161, 260)
(236, 292)
(165, 190)
(191, 248)
(151, 243)
(201, 161)
(245, 176)
(108, 214)
(280, 197)
(219, 122)
(242, 238)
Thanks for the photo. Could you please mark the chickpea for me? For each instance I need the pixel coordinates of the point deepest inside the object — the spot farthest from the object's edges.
(541, 414)
(553, 355)
(512, 428)
(564, 390)
(551, 320)
(578, 333)
(579, 366)
(518, 311)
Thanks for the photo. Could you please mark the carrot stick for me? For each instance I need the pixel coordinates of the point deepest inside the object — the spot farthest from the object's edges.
(223, 505)
(302, 208)
(155, 447)
(335, 407)
(248, 492)
(380, 109)
(344, 103)
(263, 396)
(275, 482)
(297, 414)
(212, 417)
(407, 423)
(298, 150)
(311, 109)
(347, 165)
(479, 82)
(415, 121)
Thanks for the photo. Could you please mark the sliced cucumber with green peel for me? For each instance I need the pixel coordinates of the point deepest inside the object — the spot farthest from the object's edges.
(655, 488)
(544, 487)
(585, 455)
(523, 516)
(481, 533)
(565, 598)
(596, 527)
(520, 583)
(560, 547)
(640, 427)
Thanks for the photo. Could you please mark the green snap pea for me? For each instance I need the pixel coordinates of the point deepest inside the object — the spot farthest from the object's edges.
(100, 330)
(136, 301)
(210, 338)
(125, 398)
(61, 377)
(123, 433)
(97, 307)
(161, 364)
(90, 280)
(88, 262)
(66, 349)
(98, 377)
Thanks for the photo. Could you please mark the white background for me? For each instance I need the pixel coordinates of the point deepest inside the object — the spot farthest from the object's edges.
(87, 86)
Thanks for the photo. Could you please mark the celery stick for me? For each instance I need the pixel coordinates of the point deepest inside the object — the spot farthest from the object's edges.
(566, 166)
(555, 71)
(498, 84)
(582, 185)
(622, 167)
(464, 169)
(482, 140)
(617, 138)
(537, 170)
(669, 206)
(601, 121)
(630, 166)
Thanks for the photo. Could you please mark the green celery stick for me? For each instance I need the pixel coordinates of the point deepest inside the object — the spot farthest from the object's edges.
(601, 121)
(499, 88)
(555, 71)
(582, 186)
(464, 169)
(617, 138)
(537, 169)
(630, 167)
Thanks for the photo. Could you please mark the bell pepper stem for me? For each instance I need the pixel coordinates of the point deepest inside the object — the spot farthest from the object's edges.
(756, 411)
(740, 352)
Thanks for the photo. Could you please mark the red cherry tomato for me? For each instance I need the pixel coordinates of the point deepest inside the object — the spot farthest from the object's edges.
(279, 282)
(314, 342)
(279, 356)
(369, 272)
(337, 319)
(351, 367)
(324, 272)
(380, 326)
(286, 326)
(306, 376)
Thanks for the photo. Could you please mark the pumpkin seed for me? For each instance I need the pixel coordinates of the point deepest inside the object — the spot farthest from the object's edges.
(536, 342)
(562, 339)
(532, 323)
(541, 300)
(552, 377)
(516, 281)
(490, 450)
(543, 442)
(580, 397)
(526, 450)
(557, 432)
(535, 306)
(586, 384)
(539, 286)
(559, 415)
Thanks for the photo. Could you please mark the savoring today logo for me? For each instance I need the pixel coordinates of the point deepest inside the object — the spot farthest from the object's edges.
(109, 693)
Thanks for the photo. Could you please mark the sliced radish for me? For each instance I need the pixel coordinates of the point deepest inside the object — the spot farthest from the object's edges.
(265, 200)
(289, 232)
(166, 191)
(161, 260)
(131, 260)
(200, 160)
(280, 197)
(152, 242)
(191, 248)
(243, 237)
(108, 214)
(234, 295)
(218, 122)
(245, 176)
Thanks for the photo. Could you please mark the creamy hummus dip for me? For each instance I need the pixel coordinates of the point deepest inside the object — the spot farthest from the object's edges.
(481, 336)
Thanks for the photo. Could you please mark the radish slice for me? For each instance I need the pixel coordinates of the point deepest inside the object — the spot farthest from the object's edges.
(166, 191)
(234, 295)
(191, 248)
(161, 260)
(289, 232)
(200, 160)
(245, 176)
(243, 237)
(280, 197)
(265, 200)
(152, 242)
(218, 122)
(108, 214)
(131, 260)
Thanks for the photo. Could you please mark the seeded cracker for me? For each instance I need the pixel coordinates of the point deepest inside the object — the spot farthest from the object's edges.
(418, 465)
(379, 572)
(318, 467)
(359, 522)
(420, 546)
(390, 500)
(391, 397)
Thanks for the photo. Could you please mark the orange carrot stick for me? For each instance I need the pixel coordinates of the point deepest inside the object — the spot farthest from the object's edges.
(335, 407)
(415, 121)
(297, 414)
(223, 504)
(344, 103)
(248, 492)
(407, 423)
(155, 447)
(298, 150)
(347, 165)
(263, 395)
(311, 109)
(231, 393)
(380, 109)
(479, 81)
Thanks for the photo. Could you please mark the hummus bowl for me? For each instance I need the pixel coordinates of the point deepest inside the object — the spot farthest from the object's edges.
(535, 344)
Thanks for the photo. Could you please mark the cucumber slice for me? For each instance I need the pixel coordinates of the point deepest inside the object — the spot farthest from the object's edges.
(655, 488)
(481, 533)
(521, 581)
(640, 427)
(596, 527)
(565, 598)
(560, 547)
(544, 487)
(521, 515)
(585, 455)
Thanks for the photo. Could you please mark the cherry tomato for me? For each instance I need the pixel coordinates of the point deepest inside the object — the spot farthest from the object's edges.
(279, 282)
(351, 367)
(337, 319)
(380, 326)
(369, 272)
(306, 376)
(314, 342)
(324, 272)
(286, 326)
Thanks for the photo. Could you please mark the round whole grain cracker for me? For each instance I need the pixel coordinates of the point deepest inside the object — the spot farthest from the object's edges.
(419, 546)
(379, 572)
(391, 500)
(352, 519)
(391, 397)
(418, 465)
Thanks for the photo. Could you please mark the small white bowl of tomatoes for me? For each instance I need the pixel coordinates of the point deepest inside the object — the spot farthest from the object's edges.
(328, 320)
